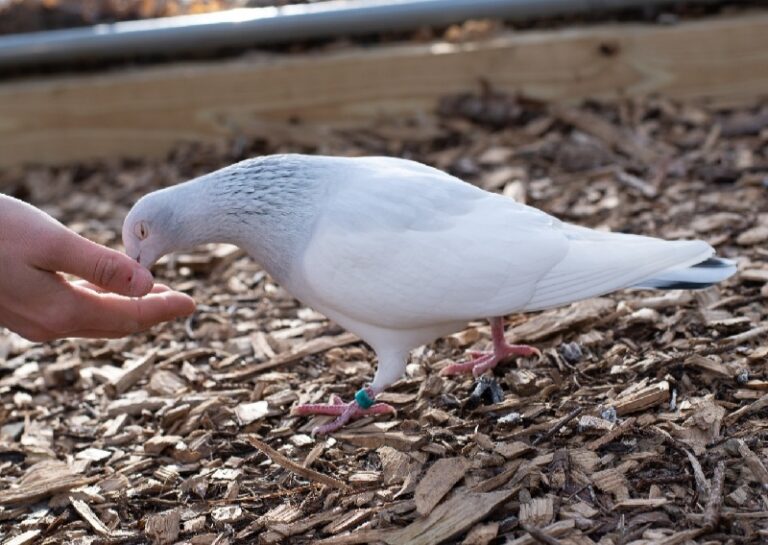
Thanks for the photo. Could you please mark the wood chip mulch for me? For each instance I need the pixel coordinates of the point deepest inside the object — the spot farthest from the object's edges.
(644, 422)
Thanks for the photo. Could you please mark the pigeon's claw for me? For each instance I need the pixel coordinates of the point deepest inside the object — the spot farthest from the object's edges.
(344, 411)
(482, 361)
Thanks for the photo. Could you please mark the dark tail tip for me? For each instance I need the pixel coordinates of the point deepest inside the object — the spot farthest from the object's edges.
(678, 285)
(696, 277)
(714, 263)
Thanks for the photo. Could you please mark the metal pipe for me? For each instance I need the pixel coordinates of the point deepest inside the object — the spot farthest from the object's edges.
(246, 27)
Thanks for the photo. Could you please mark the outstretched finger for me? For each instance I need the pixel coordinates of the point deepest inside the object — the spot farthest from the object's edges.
(109, 269)
(157, 288)
(122, 316)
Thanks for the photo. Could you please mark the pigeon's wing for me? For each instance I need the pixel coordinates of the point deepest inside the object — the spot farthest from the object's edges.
(402, 245)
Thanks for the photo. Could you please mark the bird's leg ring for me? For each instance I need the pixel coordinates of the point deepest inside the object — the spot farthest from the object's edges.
(363, 405)
(502, 350)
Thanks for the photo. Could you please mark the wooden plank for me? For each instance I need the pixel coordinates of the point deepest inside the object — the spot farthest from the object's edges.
(145, 112)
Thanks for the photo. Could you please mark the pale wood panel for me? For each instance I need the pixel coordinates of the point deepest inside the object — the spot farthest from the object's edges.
(147, 111)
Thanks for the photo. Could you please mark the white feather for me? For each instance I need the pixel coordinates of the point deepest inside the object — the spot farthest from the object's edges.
(598, 263)
(401, 253)
(401, 246)
(408, 247)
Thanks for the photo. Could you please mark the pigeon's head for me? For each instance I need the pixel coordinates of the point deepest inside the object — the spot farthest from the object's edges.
(149, 230)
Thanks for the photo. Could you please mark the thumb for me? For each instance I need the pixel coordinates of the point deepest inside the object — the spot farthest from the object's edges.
(106, 268)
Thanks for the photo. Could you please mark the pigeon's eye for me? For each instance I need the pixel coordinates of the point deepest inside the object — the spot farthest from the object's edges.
(141, 230)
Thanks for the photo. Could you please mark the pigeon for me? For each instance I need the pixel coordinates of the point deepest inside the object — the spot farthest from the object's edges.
(401, 253)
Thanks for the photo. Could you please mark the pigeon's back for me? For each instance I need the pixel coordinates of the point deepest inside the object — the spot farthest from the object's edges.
(399, 244)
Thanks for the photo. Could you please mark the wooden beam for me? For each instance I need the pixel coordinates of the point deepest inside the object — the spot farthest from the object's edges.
(145, 112)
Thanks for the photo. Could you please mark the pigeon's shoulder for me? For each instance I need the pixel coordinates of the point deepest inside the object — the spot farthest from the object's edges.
(374, 193)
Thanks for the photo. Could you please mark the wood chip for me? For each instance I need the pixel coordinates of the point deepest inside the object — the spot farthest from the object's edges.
(448, 519)
(612, 435)
(612, 481)
(396, 398)
(754, 463)
(555, 530)
(157, 444)
(754, 275)
(648, 397)
(754, 333)
(752, 408)
(227, 514)
(509, 403)
(354, 538)
(698, 474)
(585, 459)
(538, 511)
(439, 479)
(163, 528)
(636, 184)
(513, 449)
(132, 373)
(708, 365)
(248, 413)
(43, 481)
(305, 472)
(281, 514)
(365, 477)
(464, 338)
(165, 383)
(93, 454)
(188, 356)
(134, 406)
(756, 235)
(681, 537)
(288, 529)
(482, 534)
(90, 517)
(395, 439)
(25, 538)
(635, 503)
(348, 521)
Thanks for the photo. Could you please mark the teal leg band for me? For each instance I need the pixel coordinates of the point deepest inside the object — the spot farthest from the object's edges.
(363, 399)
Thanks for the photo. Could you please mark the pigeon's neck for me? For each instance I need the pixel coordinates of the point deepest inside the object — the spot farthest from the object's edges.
(267, 206)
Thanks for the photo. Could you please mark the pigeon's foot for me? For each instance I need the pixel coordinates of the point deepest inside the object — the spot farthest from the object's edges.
(363, 405)
(502, 350)
(482, 361)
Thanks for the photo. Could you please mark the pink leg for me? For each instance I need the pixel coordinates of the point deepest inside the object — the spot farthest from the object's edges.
(344, 411)
(482, 361)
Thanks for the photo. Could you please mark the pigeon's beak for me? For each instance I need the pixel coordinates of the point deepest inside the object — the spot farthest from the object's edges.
(139, 260)
(147, 258)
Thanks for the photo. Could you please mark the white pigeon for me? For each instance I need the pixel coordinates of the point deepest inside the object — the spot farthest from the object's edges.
(401, 253)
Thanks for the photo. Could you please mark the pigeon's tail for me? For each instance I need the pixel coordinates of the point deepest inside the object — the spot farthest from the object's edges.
(702, 275)
(598, 263)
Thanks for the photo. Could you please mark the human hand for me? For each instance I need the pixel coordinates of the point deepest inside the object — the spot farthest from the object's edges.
(118, 298)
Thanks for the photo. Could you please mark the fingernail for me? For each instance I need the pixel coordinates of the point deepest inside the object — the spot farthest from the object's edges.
(141, 282)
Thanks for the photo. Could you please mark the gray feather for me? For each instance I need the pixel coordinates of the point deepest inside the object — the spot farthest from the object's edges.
(699, 276)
